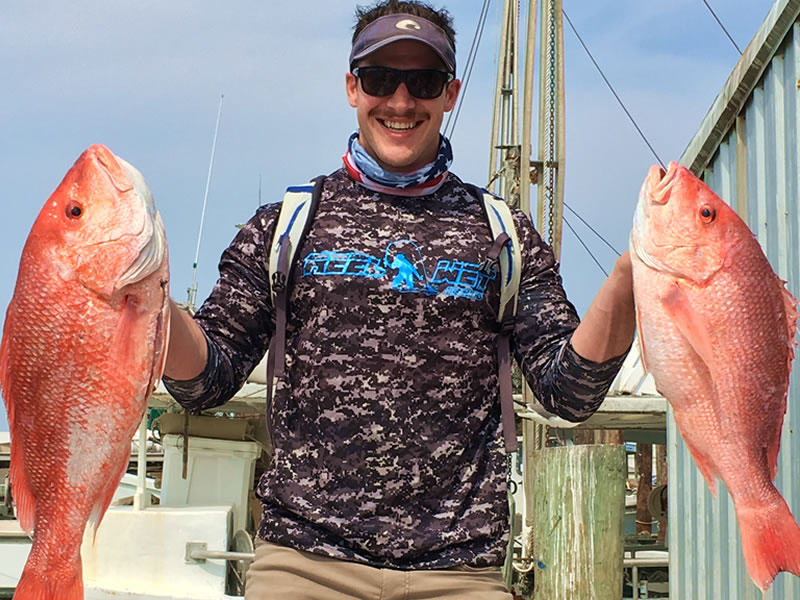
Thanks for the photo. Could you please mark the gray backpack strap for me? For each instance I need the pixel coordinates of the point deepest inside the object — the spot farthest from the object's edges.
(294, 221)
(506, 252)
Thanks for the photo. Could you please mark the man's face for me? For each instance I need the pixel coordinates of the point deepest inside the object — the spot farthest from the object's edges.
(401, 132)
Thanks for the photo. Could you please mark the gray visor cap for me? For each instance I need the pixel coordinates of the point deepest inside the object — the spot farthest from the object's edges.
(390, 28)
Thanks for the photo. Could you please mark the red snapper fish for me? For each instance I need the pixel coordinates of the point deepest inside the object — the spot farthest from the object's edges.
(83, 346)
(717, 331)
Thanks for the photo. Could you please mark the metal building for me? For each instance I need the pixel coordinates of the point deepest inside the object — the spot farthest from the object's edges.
(748, 150)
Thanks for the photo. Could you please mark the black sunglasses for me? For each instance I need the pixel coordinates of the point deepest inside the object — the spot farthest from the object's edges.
(421, 83)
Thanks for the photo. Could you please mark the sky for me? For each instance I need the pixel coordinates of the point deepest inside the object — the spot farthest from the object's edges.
(145, 78)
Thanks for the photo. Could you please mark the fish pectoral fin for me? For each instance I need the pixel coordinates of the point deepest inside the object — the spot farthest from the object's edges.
(128, 330)
(704, 464)
(701, 459)
(106, 496)
(161, 342)
(640, 337)
(692, 327)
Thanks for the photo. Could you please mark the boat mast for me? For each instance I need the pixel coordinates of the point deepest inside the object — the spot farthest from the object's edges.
(511, 136)
(192, 290)
(511, 169)
(550, 166)
(504, 153)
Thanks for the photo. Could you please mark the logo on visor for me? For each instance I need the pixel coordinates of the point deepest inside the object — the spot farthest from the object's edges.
(408, 24)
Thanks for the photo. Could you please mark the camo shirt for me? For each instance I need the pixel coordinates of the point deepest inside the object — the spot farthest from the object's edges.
(386, 430)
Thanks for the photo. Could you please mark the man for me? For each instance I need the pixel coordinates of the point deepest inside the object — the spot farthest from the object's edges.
(388, 478)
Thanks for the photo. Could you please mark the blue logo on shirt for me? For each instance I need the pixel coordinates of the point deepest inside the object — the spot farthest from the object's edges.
(354, 264)
(404, 260)
(463, 279)
(405, 257)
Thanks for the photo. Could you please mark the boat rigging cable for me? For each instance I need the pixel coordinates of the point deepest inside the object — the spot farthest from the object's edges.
(467, 72)
(711, 10)
(613, 91)
(585, 247)
(574, 30)
(592, 229)
(638, 129)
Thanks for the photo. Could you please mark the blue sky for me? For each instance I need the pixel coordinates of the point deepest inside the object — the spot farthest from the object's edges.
(145, 79)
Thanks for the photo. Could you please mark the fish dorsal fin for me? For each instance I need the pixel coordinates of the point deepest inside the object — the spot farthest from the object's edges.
(4, 351)
(790, 304)
(25, 502)
(790, 308)
(691, 326)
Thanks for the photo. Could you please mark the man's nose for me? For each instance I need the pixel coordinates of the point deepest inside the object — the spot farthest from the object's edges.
(401, 97)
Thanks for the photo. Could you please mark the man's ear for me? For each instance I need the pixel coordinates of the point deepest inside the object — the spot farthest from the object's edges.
(451, 94)
(351, 85)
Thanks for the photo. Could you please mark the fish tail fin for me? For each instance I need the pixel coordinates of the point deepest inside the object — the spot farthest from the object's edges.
(770, 542)
(53, 586)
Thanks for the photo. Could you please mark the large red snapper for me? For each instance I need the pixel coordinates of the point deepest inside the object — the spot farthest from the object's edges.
(717, 328)
(83, 346)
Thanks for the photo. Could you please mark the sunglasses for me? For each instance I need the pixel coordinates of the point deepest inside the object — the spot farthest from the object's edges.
(421, 83)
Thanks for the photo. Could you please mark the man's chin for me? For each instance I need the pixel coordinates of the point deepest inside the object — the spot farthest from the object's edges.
(398, 163)
(401, 159)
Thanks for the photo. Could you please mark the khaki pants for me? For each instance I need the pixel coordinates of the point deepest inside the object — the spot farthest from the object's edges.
(281, 573)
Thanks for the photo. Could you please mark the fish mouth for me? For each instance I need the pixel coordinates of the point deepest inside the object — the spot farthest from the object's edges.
(659, 182)
(106, 160)
(655, 190)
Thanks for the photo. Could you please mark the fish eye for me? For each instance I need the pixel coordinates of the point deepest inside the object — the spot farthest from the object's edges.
(74, 210)
(707, 214)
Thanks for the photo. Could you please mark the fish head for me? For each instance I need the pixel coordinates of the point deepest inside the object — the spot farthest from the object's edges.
(101, 226)
(681, 227)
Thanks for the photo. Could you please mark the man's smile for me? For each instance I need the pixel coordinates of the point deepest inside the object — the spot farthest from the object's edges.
(399, 125)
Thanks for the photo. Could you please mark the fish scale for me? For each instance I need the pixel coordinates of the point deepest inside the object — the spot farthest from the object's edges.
(83, 345)
(716, 329)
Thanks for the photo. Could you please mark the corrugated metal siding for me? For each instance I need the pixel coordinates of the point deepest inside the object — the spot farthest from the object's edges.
(755, 166)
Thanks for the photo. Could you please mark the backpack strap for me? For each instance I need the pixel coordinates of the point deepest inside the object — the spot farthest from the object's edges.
(506, 253)
(294, 221)
(504, 232)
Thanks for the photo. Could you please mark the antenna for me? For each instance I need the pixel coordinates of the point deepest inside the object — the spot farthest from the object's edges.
(192, 290)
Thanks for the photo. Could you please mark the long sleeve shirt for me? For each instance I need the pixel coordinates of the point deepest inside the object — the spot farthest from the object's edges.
(386, 427)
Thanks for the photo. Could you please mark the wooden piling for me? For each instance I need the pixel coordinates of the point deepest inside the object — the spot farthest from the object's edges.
(577, 522)
(644, 473)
